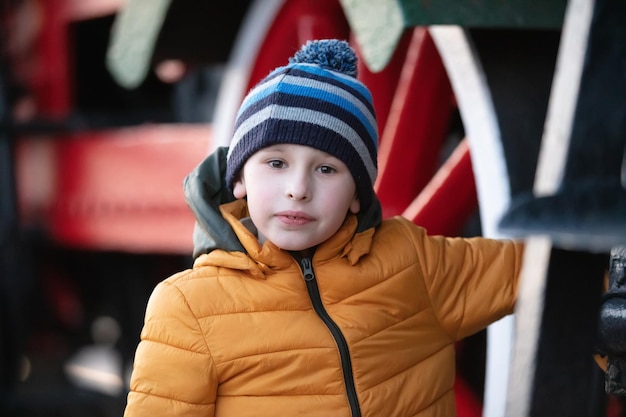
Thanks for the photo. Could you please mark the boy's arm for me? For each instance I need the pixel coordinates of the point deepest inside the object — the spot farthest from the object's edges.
(472, 282)
(173, 372)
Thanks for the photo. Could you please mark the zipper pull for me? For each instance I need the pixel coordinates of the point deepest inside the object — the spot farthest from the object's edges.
(307, 269)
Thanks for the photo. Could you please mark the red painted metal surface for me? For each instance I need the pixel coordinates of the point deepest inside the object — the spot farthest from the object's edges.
(467, 404)
(411, 143)
(297, 21)
(51, 71)
(113, 190)
(449, 199)
(383, 84)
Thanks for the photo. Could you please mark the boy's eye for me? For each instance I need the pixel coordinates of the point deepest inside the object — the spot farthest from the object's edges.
(326, 169)
(276, 163)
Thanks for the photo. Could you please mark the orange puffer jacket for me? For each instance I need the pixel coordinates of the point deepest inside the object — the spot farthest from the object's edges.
(366, 327)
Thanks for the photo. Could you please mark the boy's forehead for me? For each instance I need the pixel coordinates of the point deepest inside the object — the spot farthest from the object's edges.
(295, 148)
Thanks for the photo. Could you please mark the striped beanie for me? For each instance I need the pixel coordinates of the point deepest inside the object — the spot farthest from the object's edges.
(316, 101)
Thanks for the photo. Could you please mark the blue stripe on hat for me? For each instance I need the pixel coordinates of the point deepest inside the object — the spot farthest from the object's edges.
(345, 81)
(262, 90)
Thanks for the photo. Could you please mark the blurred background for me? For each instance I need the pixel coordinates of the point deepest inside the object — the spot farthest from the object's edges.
(92, 212)
(106, 106)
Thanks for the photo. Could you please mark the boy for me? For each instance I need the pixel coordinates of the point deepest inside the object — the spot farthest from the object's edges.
(301, 301)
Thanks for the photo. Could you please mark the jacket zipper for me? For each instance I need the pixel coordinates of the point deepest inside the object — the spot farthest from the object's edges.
(344, 353)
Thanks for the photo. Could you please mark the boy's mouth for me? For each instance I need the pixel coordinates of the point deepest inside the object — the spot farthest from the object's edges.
(294, 218)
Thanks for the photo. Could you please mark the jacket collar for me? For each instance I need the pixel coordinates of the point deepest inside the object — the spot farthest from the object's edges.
(267, 257)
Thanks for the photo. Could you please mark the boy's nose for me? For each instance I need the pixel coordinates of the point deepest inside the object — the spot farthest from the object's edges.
(298, 188)
(298, 194)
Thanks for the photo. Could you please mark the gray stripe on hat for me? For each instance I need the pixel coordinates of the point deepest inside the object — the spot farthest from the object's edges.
(296, 114)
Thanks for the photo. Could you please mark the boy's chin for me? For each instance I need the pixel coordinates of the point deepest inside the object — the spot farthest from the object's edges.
(297, 247)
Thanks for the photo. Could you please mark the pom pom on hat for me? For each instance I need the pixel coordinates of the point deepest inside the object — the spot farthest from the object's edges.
(331, 54)
(316, 101)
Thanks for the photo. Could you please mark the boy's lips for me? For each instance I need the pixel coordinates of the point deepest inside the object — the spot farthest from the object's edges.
(294, 217)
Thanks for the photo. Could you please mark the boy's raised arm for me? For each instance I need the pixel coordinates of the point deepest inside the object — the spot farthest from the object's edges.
(472, 282)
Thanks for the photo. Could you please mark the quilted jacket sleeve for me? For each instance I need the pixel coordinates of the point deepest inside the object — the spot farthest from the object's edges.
(173, 372)
(471, 282)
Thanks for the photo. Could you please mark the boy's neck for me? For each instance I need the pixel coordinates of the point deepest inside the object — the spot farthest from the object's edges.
(301, 254)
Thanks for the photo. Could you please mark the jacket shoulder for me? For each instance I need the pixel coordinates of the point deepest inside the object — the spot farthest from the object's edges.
(400, 228)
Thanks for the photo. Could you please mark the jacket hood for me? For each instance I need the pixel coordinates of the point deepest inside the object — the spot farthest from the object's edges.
(206, 190)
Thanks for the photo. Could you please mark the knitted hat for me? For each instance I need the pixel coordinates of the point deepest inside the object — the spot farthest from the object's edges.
(316, 101)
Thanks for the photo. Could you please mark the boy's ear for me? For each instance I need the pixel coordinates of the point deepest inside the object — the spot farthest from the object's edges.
(239, 188)
(355, 205)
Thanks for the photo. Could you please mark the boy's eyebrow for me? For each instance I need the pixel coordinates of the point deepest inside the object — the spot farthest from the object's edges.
(273, 148)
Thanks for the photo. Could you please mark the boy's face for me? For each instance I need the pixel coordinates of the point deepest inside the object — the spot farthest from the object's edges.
(298, 196)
